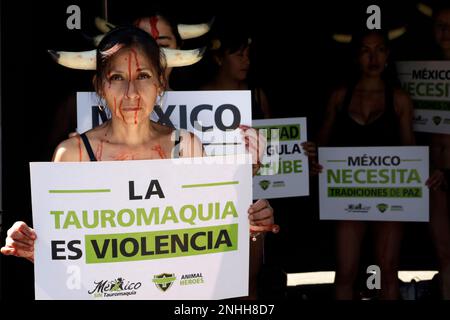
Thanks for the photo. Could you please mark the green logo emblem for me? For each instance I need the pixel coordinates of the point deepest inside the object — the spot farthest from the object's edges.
(164, 281)
(382, 207)
(264, 184)
(437, 120)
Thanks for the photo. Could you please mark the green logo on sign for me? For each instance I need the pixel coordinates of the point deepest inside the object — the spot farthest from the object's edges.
(437, 120)
(164, 281)
(264, 184)
(382, 207)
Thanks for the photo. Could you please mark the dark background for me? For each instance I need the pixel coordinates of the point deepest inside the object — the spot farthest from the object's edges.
(294, 60)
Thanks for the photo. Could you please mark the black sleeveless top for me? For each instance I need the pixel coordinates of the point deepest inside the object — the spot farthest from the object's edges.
(257, 112)
(383, 131)
(87, 145)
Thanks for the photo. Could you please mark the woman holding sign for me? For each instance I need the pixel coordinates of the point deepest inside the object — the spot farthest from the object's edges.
(440, 161)
(370, 111)
(129, 77)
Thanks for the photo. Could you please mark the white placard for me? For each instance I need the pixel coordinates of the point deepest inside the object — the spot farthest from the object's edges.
(213, 116)
(146, 229)
(284, 171)
(374, 183)
(428, 84)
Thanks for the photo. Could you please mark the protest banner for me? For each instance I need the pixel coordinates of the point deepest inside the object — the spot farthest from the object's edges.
(374, 183)
(144, 229)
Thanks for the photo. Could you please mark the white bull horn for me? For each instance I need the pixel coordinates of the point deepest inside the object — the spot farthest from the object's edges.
(189, 31)
(86, 60)
(181, 58)
(97, 39)
(396, 33)
(347, 38)
(186, 31)
(103, 25)
(425, 9)
(342, 38)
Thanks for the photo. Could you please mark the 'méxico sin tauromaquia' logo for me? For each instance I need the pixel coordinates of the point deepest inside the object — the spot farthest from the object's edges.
(357, 208)
(164, 281)
(116, 287)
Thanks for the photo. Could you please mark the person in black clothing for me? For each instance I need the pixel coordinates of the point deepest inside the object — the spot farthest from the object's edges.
(440, 162)
(370, 111)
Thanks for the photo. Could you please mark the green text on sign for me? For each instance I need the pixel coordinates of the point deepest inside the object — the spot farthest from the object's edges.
(285, 132)
(137, 246)
(374, 192)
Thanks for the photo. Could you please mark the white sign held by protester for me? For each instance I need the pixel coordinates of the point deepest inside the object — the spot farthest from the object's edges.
(374, 183)
(146, 229)
(213, 116)
(284, 167)
(428, 84)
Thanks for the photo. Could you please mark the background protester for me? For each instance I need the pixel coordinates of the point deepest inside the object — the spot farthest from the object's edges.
(369, 111)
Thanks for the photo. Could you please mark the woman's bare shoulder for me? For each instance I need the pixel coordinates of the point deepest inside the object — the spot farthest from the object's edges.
(68, 150)
(402, 102)
(337, 96)
(401, 96)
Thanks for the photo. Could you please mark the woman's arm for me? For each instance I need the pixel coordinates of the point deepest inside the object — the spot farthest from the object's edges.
(20, 241)
(334, 102)
(404, 109)
(20, 237)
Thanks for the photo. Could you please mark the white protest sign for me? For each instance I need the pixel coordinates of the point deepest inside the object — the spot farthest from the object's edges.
(145, 229)
(428, 84)
(284, 171)
(374, 183)
(213, 116)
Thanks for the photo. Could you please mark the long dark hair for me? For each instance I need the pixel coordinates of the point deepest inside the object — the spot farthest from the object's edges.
(225, 38)
(122, 38)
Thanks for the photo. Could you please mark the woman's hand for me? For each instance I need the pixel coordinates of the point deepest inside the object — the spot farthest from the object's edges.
(255, 144)
(437, 180)
(260, 216)
(310, 150)
(20, 241)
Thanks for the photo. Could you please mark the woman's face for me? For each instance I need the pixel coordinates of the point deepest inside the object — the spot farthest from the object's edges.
(160, 30)
(442, 29)
(373, 55)
(131, 86)
(237, 63)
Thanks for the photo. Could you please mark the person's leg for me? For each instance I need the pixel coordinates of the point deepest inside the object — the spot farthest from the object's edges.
(440, 233)
(350, 236)
(388, 237)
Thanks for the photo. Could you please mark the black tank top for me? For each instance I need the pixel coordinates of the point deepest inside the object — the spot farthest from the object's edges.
(257, 112)
(87, 145)
(383, 131)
